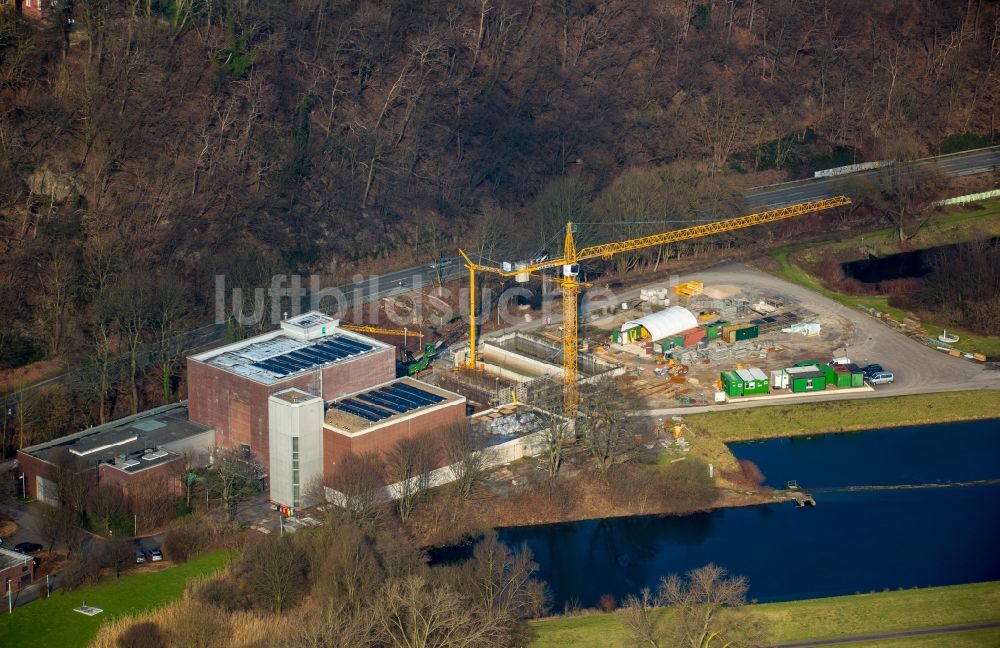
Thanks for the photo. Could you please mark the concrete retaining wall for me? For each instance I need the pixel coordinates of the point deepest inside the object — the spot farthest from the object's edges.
(968, 198)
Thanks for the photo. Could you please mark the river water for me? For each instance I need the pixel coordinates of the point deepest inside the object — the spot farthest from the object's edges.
(856, 541)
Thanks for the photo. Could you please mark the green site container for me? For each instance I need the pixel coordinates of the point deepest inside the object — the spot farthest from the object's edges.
(812, 381)
(857, 380)
(807, 363)
(714, 330)
(616, 336)
(731, 383)
(747, 333)
(829, 374)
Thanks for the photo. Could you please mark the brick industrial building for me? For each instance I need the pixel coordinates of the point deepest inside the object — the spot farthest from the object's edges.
(302, 397)
(17, 570)
(297, 399)
(34, 8)
(155, 444)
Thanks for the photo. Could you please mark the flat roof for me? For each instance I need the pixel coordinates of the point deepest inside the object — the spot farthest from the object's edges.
(275, 356)
(386, 403)
(294, 396)
(9, 558)
(131, 436)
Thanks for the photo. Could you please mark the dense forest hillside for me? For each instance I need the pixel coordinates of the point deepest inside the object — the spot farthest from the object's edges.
(158, 142)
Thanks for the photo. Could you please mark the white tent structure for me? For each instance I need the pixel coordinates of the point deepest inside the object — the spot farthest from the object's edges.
(664, 323)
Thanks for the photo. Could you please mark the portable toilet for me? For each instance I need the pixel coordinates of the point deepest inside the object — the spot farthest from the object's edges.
(779, 379)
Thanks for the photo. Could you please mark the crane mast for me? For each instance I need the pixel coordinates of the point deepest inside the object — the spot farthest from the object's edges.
(570, 270)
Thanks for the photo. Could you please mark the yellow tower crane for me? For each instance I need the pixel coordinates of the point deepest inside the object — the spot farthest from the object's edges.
(363, 328)
(571, 269)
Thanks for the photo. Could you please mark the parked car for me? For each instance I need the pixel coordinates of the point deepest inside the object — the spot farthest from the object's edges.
(880, 378)
(871, 369)
(155, 555)
(140, 557)
(27, 547)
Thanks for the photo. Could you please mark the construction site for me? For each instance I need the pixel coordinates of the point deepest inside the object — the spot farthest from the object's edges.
(674, 342)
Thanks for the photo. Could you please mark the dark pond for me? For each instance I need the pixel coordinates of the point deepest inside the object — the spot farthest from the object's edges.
(851, 542)
(922, 454)
(897, 266)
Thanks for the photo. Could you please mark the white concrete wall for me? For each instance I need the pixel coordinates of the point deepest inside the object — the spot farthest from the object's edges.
(286, 421)
(531, 445)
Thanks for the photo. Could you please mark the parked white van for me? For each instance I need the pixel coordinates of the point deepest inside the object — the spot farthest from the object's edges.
(881, 378)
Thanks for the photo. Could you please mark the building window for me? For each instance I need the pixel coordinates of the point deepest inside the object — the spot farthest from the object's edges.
(245, 448)
(295, 472)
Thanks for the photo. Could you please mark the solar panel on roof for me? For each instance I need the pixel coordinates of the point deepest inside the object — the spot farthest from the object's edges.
(308, 359)
(267, 365)
(327, 354)
(346, 407)
(383, 402)
(371, 409)
(354, 344)
(292, 364)
(400, 395)
(338, 346)
(434, 398)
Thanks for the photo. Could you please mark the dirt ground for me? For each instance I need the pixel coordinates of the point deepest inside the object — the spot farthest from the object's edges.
(844, 332)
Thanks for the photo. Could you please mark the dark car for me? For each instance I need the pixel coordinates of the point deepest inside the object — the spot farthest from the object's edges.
(27, 547)
(140, 557)
(871, 369)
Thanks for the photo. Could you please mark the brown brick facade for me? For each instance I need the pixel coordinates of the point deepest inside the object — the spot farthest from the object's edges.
(17, 576)
(237, 407)
(169, 473)
(33, 467)
(383, 438)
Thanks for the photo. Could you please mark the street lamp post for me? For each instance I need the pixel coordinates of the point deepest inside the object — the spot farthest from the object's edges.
(23, 493)
(136, 519)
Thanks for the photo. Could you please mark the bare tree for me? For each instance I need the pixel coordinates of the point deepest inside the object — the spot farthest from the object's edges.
(706, 608)
(414, 613)
(169, 309)
(360, 479)
(105, 504)
(58, 525)
(643, 619)
(73, 480)
(274, 568)
(502, 582)
(464, 448)
(132, 303)
(153, 500)
(566, 199)
(408, 465)
(118, 555)
(608, 430)
(236, 473)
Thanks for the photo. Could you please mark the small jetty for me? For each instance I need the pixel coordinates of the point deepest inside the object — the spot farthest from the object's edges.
(801, 498)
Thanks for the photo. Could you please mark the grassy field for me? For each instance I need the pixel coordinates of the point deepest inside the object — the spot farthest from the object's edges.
(973, 639)
(956, 227)
(821, 618)
(53, 622)
(844, 416)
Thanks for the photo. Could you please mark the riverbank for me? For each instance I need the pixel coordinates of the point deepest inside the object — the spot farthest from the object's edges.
(846, 416)
(519, 496)
(839, 616)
